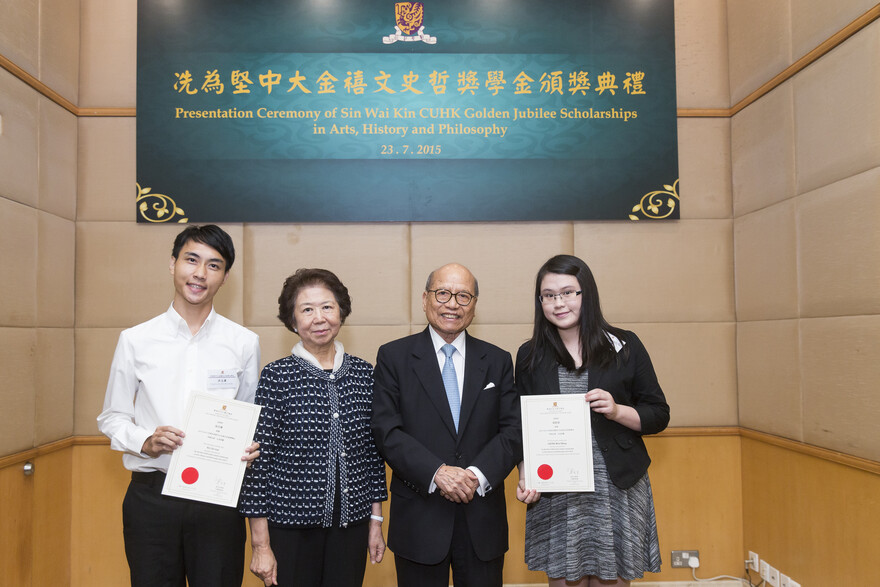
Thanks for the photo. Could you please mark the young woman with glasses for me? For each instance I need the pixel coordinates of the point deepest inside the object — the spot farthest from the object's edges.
(607, 536)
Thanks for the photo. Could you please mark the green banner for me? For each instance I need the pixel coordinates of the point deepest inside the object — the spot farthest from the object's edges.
(300, 111)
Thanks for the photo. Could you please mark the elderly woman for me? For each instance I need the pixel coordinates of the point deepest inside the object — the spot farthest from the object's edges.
(313, 497)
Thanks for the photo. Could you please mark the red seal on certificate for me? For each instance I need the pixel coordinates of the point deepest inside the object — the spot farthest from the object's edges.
(189, 475)
(545, 472)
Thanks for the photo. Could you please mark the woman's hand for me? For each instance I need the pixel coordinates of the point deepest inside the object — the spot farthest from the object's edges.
(251, 453)
(523, 494)
(526, 495)
(376, 542)
(263, 565)
(603, 403)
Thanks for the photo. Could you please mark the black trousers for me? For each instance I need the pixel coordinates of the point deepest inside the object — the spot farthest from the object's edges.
(467, 569)
(170, 541)
(320, 557)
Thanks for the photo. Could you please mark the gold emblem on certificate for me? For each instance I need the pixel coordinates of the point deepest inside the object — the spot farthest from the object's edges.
(557, 445)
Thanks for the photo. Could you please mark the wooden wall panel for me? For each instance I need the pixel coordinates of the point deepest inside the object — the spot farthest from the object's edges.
(810, 513)
(52, 512)
(99, 482)
(696, 489)
(698, 500)
(697, 493)
(16, 536)
(813, 519)
(515, 569)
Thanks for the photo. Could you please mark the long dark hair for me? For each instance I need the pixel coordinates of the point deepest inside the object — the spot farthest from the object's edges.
(596, 349)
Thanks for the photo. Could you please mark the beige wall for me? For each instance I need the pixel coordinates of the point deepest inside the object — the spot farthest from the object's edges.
(38, 175)
(806, 180)
(759, 306)
(806, 176)
(647, 273)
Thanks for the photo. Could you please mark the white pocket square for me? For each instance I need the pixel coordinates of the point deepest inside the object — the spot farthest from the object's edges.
(490, 386)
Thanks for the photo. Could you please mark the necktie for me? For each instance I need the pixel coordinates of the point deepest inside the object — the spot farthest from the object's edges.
(450, 382)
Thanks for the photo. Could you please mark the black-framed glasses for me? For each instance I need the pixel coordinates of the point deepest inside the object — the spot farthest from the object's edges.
(563, 295)
(463, 298)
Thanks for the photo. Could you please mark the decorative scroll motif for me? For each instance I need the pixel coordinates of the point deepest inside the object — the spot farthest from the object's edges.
(652, 205)
(158, 207)
(410, 17)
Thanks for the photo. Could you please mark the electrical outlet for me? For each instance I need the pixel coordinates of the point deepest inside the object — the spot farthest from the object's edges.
(765, 570)
(773, 577)
(680, 558)
(754, 560)
(784, 580)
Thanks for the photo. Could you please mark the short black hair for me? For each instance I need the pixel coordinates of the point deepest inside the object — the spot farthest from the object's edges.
(208, 234)
(305, 278)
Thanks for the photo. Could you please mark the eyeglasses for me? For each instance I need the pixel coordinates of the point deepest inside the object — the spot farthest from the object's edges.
(563, 295)
(444, 295)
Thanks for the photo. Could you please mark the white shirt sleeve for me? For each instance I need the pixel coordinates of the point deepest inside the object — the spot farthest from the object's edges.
(484, 483)
(481, 490)
(250, 375)
(117, 418)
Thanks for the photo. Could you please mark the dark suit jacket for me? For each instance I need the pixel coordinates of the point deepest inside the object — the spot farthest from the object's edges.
(413, 428)
(632, 382)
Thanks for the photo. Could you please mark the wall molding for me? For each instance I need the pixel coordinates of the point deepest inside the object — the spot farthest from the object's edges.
(39, 451)
(60, 100)
(831, 43)
(789, 72)
(675, 432)
(811, 450)
(37, 85)
(690, 431)
(107, 112)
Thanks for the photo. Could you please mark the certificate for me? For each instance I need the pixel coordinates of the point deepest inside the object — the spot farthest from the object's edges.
(557, 447)
(207, 466)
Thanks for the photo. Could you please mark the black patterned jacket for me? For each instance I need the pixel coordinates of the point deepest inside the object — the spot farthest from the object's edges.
(313, 422)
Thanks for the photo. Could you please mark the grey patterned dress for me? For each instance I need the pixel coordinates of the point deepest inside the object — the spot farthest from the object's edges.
(608, 533)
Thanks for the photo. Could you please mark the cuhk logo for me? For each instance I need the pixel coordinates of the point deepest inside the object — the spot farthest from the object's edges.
(410, 24)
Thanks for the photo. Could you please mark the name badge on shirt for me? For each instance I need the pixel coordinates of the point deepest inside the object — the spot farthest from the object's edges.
(222, 378)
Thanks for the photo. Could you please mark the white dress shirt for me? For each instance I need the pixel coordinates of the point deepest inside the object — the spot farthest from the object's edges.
(458, 362)
(157, 367)
(457, 357)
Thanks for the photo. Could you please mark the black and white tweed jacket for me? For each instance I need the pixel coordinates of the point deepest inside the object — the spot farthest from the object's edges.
(313, 422)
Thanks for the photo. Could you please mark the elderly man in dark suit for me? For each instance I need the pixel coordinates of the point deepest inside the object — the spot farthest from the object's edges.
(446, 419)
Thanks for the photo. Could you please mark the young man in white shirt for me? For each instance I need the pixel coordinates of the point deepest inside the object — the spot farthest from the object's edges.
(157, 367)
